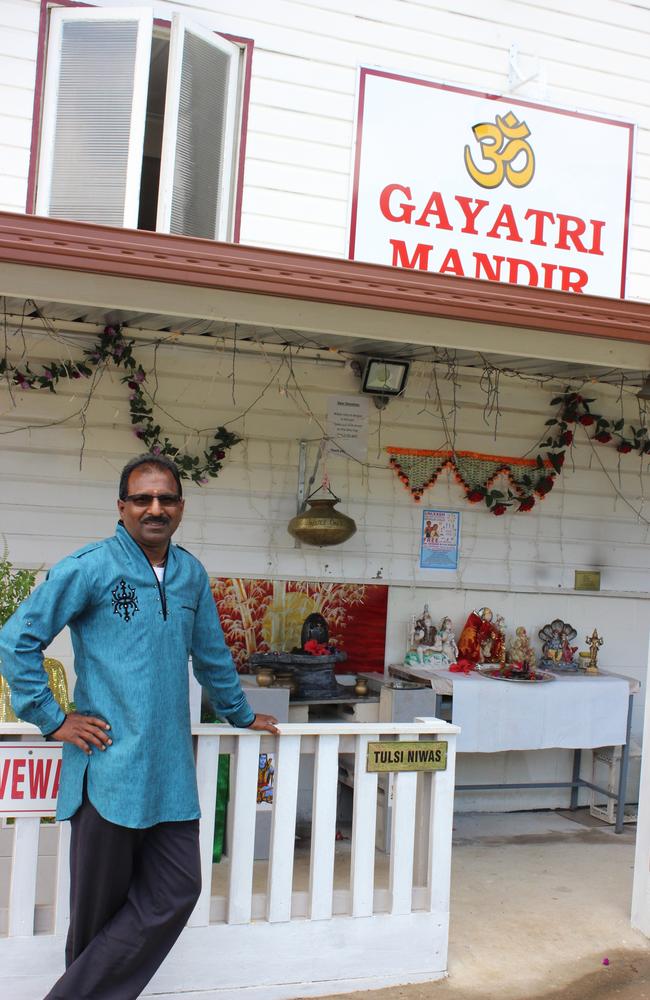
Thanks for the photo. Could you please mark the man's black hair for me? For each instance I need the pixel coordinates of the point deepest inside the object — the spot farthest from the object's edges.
(160, 460)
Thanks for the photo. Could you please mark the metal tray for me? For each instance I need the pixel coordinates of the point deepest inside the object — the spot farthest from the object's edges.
(541, 676)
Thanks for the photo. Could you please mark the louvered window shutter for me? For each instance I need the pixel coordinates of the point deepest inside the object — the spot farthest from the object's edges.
(94, 114)
(199, 138)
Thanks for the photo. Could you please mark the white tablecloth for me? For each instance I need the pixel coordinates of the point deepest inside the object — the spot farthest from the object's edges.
(573, 711)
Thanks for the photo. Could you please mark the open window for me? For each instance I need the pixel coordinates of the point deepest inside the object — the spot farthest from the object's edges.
(140, 123)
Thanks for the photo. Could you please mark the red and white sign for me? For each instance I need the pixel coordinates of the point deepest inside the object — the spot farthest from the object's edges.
(452, 181)
(29, 778)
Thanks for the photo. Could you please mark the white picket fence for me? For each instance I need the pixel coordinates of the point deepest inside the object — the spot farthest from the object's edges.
(282, 940)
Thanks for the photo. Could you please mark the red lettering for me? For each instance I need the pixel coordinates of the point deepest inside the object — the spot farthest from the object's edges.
(571, 228)
(452, 265)
(57, 778)
(384, 204)
(548, 274)
(515, 264)
(505, 220)
(540, 218)
(470, 215)
(435, 206)
(5, 774)
(570, 284)
(39, 777)
(420, 255)
(597, 228)
(483, 263)
(18, 778)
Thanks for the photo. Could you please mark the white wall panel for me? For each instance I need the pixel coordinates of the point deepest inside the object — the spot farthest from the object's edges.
(18, 40)
(592, 56)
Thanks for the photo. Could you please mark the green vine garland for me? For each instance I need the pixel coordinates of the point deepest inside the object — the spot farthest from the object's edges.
(111, 346)
(573, 409)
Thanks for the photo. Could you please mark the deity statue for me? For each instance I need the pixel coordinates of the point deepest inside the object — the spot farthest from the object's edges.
(497, 650)
(557, 651)
(480, 640)
(425, 642)
(448, 640)
(314, 627)
(424, 626)
(594, 642)
(520, 649)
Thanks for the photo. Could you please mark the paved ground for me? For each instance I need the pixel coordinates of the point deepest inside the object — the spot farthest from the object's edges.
(538, 901)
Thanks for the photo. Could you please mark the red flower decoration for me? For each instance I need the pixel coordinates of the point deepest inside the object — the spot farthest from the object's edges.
(567, 437)
(624, 447)
(315, 648)
(474, 496)
(544, 486)
(526, 504)
(603, 437)
(499, 508)
(587, 419)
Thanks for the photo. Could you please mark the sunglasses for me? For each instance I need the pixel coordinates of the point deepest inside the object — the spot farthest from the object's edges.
(144, 500)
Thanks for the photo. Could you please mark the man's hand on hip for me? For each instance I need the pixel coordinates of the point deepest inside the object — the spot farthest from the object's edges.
(84, 731)
(266, 723)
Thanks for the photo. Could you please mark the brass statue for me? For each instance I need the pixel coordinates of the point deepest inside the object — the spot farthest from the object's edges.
(594, 642)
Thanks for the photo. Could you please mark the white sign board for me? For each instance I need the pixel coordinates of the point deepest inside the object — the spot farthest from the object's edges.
(347, 426)
(29, 778)
(456, 182)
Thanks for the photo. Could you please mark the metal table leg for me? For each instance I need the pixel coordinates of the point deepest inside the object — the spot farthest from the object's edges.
(622, 777)
(577, 754)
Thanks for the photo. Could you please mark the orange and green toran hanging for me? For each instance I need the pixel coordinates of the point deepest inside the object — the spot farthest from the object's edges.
(529, 479)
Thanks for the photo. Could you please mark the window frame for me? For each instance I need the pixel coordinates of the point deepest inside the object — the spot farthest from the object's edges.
(241, 133)
(223, 210)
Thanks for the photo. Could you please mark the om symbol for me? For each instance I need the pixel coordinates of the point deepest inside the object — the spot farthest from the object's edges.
(500, 143)
(125, 602)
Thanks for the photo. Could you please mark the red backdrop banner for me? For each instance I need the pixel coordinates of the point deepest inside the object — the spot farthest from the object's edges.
(261, 616)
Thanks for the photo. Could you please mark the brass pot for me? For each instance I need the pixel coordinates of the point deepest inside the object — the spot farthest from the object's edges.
(265, 677)
(361, 687)
(322, 524)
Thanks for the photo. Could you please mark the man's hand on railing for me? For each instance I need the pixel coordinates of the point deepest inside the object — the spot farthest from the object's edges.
(266, 723)
(84, 731)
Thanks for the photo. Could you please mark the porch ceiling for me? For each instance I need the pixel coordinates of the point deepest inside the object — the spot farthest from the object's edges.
(83, 319)
(88, 275)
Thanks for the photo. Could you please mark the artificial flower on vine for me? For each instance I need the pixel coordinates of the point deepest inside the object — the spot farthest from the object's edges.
(112, 347)
(576, 409)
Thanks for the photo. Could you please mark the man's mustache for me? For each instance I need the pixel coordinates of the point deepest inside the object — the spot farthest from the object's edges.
(155, 520)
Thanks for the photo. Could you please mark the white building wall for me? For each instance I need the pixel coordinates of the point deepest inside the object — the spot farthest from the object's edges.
(520, 565)
(591, 56)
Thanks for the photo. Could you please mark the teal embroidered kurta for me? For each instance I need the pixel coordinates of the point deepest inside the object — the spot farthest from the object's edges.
(132, 638)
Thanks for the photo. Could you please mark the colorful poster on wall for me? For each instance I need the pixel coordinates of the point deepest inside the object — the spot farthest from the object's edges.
(455, 181)
(439, 539)
(262, 616)
(265, 775)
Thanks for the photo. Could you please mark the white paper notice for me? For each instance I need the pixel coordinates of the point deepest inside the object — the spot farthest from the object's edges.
(347, 426)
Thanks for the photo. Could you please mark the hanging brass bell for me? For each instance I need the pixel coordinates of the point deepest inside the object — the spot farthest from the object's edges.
(322, 524)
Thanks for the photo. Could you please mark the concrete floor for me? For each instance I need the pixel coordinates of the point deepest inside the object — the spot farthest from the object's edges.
(538, 901)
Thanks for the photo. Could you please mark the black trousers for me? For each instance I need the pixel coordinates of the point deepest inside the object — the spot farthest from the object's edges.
(131, 893)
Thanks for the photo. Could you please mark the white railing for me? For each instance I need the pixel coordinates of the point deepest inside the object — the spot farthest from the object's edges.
(314, 926)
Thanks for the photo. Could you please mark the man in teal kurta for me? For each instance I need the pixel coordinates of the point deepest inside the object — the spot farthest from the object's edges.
(137, 608)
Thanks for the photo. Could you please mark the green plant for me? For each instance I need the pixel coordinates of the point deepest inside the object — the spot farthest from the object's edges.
(15, 586)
